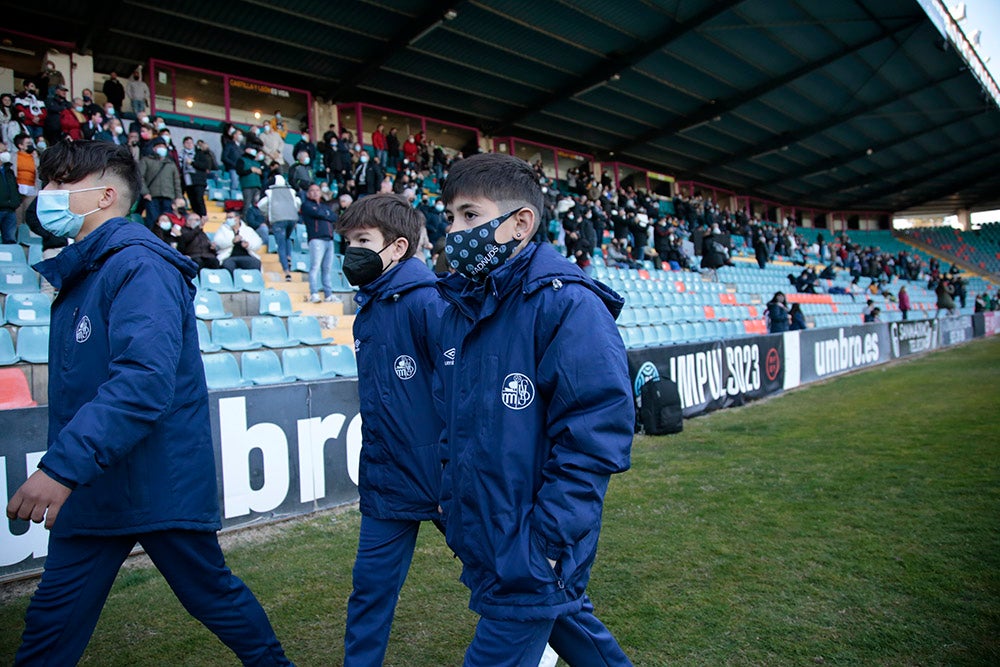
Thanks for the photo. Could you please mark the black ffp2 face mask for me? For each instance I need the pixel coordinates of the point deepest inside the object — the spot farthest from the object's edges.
(363, 265)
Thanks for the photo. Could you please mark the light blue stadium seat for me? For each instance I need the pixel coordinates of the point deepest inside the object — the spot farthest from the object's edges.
(340, 282)
(222, 371)
(264, 367)
(307, 330)
(300, 261)
(302, 363)
(700, 330)
(657, 297)
(641, 316)
(338, 360)
(233, 335)
(34, 254)
(12, 253)
(205, 343)
(600, 272)
(208, 306)
(217, 280)
(248, 280)
(687, 332)
(662, 335)
(28, 309)
(270, 331)
(277, 303)
(272, 244)
(18, 278)
(627, 317)
(27, 237)
(33, 344)
(7, 354)
(675, 333)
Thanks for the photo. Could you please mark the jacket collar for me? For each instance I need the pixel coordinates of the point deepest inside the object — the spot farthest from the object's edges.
(398, 280)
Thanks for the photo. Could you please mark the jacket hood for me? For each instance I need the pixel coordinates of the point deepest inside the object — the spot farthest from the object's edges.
(408, 275)
(534, 268)
(109, 238)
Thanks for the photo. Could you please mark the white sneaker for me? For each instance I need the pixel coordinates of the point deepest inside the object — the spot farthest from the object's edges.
(314, 298)
(330, 299)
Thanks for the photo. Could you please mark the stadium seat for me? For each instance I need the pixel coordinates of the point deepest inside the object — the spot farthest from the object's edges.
(233, 335)
(338, 360)
(34, 254)
(222, 371)
(27, 237)
(248, 280)
(277, 303)
(307, 330)
(300, 261)
(270, 331)
(340, 282)
(263, 367)
(33, 344)
(205, 343)
(217, 280)
(29, 309)
(302, 363)
(12, 253)
(18, 278)
(7, 354)
(627, 317)
(14, 390)
(208, 306)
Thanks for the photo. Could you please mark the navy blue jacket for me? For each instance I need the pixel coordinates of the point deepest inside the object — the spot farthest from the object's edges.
(129, 427)
(539, 414)
(400, 467)
(319, 220)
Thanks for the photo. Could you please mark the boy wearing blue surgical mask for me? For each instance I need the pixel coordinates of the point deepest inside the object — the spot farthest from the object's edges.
(399, 472)
(129, 457)
(536, 423)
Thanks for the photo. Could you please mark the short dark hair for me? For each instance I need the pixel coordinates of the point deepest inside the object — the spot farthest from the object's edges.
(497, 177)
(389, 213)
(20, 138)
(73, 161)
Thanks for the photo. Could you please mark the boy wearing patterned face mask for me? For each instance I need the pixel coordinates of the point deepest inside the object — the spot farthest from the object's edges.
(399, 473)
(522, 396)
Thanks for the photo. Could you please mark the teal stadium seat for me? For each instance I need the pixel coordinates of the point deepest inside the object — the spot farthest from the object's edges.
(28, 310)
(12, 253)
(33, 344)
(208, 306)
(277, 303)
(302, 363)
(233, 335)
(217, 280)
(222, 371)
(307, 330)
(7, 354)
(263, 367)
(338, 360)
(248, 280)
(205, 343)
(17, 279)
(27, 237)
(270, 331)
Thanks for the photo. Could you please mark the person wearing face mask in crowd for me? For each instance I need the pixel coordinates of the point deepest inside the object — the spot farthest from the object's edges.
(232, 150)
(367, 175)
(280, 205)
(299, 175)
(30, 110)
(26, 170)
(273, 145)
(10, 198)
(51, 78)
(398, 307)
(72, 120)
(114, 91)
(319, 220)
(161, 182)
(277, 124)
(172, 151)
(129, 424)
(112, 132)
(56, 105)
(138, 93)
(251, 172)
(304, 144)
(93, 126)
(167, 230)
(195, 244)
(236, 244)
(436, 221)
(90, 107)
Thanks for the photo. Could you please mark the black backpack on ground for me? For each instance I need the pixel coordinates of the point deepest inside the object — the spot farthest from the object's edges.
(661, 411)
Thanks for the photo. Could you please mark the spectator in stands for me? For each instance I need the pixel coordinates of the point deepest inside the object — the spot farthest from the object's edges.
(167, 230)
(367, 176)
(277, 125)
(380, 146)
(12, 121)
(26, 169)
(196, 245)
(436, 221)
(798, 318)
(51, 78)
(10, 198)
(232, 150)
(777, 313)
(90, 107)
(300, 175)
(760, 249)
(56, 105)
(6, 112)
(280, 205)
(161, 182)
(204, 165)
(319, 221)
(526, 551)
(30, 110)
(304, 144)
(393, 149)
(133, 145)
(273, 146)
(138, 93)
(340, 169)
(164, 133)
(236, 244)
(411, 151)
(979, 305)
(866, 313)
(93, 126)
(114, 92)
(72, 120)
(133, 389)
(944, 291)
(399, 483)
(904, 301)
(251, 172)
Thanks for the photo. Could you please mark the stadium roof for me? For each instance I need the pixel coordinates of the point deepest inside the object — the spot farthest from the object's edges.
(847, 105)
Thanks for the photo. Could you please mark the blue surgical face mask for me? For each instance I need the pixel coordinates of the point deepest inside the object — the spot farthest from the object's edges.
(54, 214)
(475, 252)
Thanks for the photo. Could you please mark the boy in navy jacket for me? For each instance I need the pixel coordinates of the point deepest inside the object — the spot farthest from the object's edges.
(400, 468)
(130, 455)
(538, 415)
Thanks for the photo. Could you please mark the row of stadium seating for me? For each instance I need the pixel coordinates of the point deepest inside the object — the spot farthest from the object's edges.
(263, 367)
(977, 248)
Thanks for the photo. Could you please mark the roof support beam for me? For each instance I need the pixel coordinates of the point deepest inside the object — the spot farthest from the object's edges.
(606, 69)
(432, 17)
(988, 171)
(716, 108)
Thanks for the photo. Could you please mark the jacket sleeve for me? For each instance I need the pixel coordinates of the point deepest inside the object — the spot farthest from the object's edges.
(175, 176)
(143, 171)
(223, 239)
(145, 335)
(590, 420)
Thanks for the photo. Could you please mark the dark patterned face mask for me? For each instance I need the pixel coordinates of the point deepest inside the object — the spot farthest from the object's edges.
(475, 252)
